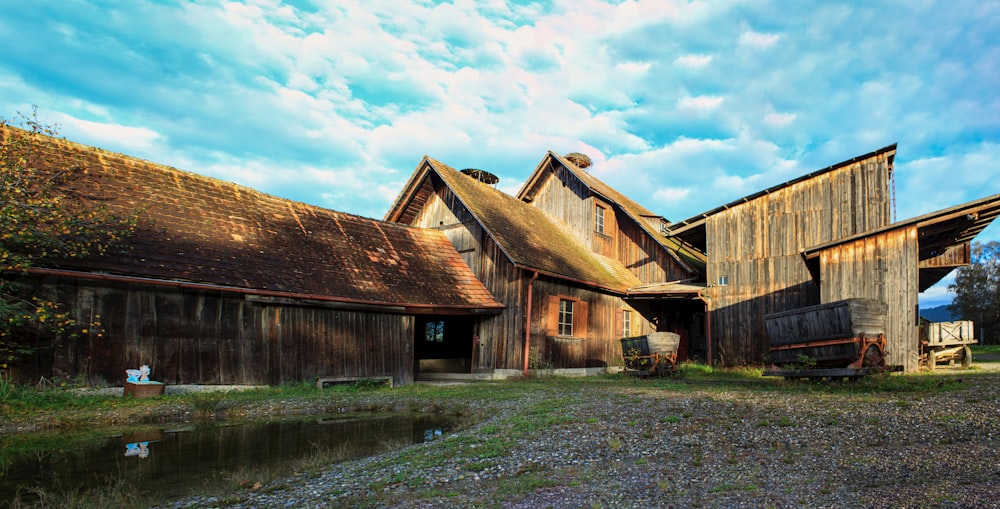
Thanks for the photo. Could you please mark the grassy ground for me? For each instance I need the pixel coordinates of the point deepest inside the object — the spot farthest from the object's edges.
(53, 417)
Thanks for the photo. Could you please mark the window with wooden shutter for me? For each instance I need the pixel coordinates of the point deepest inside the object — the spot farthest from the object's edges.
(566, 317)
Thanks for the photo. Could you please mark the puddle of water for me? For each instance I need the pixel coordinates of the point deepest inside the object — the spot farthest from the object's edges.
(172, 463)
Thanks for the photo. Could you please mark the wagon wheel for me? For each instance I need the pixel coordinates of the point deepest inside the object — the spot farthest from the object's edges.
(873, 357)
(966, 357)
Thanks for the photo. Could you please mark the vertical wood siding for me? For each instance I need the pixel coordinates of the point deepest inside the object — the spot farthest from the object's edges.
(756, 246)
(598, 346)
(566, 199)
(191, 337)
(881, 267)
(501, 337)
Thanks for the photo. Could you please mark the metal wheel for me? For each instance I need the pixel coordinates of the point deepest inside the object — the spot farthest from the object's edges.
(665, 367)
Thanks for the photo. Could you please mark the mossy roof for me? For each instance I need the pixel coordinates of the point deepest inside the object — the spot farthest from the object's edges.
(199, 229)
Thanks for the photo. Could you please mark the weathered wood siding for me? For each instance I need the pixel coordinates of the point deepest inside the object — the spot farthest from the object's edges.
(501, 337)
(756, 244)
(881, 267)
(565, 198)
(197, 337)
(598, 346)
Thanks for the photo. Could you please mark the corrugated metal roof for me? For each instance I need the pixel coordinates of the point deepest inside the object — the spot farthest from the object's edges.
(199, 229)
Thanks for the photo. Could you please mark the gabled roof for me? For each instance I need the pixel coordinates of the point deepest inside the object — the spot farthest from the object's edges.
(685, 254)
(693, 229)
(528, 237)
(937, 232)
(202, 230)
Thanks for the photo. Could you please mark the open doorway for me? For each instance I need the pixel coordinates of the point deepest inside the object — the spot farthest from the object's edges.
(443, 344)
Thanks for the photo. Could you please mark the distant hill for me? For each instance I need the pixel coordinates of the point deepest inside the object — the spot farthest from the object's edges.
(938, 314)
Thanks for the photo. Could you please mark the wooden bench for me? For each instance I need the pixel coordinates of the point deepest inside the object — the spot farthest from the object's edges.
(339, 380)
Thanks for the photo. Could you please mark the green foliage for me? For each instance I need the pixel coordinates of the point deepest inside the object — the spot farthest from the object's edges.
(977, 291)
(41, 219)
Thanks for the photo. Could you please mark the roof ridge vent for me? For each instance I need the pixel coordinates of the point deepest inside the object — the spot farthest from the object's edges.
(482, 176)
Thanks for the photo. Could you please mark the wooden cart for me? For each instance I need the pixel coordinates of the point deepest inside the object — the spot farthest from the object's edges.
(843, 339)
(946, 342)
(652, 354)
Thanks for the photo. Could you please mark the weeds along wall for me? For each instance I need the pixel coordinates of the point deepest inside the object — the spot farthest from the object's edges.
(200, 337)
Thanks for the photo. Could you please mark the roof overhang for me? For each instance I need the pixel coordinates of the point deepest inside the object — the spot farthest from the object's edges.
(278, 297)
(942, 236)
(672, 290)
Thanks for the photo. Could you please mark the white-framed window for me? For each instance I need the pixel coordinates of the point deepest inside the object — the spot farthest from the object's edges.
(626, 323)
(599, 218)
(434, 332)
(565, 317)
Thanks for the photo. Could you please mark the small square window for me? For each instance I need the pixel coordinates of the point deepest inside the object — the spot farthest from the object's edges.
(434, 332)
(599, 219)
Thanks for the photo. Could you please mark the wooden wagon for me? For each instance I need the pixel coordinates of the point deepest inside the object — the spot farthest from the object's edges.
(946, 342)
(829, 341)
(652, 354)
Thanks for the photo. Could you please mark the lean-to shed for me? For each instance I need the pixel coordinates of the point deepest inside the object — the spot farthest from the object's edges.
(894, 263)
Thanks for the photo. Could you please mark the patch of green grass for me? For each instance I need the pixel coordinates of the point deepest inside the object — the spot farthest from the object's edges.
(984, 349)
(526, 483)
(785, 421)
(671, 419)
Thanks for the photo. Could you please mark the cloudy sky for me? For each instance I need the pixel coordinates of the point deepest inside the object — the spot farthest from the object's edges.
(682, 105)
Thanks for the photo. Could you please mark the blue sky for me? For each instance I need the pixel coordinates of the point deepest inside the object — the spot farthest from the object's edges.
(683, 106)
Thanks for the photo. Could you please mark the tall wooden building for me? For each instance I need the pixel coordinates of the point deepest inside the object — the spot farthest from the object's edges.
(754, 245)
(562, 272)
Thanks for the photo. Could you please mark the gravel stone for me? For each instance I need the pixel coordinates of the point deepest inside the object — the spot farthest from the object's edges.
(629, 443)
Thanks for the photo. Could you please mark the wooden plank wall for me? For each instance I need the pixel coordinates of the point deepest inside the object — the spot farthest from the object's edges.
(600, 347)
(566, 199)
(194, 337)
(756, 245)
(881, 267)
(501, 337)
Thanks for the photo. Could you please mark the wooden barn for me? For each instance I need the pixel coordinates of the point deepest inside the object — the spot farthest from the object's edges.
(821, 238)
(561, 257)
(221, 284)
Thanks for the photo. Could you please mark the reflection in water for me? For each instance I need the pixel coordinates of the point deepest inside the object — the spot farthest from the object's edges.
(141, 449)
(166, 464)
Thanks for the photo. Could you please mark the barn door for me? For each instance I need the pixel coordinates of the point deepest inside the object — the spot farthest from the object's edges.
(443, 344)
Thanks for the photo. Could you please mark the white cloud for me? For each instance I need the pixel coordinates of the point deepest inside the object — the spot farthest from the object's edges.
(702, 103)
(775, 119)
(120, 138)
(693, 61)
(671, 194)
(758, 40)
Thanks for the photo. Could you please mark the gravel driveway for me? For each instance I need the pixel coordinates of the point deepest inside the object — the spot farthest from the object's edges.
(921, 442)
